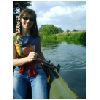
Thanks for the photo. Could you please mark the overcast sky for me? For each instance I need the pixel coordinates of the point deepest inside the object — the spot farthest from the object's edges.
(65, 14)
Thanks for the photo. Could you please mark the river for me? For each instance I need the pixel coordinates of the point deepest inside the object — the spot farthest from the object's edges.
(72, 59)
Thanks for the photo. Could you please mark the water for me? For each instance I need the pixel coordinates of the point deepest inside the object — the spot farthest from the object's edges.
(72, 59)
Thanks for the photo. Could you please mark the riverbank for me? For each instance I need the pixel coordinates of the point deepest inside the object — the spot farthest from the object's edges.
(72, 37)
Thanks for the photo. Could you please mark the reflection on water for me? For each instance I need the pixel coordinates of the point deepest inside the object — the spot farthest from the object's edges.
(50, 45)
(72, 59)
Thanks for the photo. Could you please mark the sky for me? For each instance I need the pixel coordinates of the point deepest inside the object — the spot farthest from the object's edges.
(67, 15)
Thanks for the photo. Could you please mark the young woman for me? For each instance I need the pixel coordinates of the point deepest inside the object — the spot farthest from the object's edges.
(28, 72)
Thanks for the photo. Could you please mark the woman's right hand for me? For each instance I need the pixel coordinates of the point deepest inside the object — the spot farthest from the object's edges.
(32, 56)
(21, 61)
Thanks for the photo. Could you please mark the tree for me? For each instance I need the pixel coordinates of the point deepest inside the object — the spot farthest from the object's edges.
(49, 29)
(60, 30)
(18, 6)
(75, 30)
(68, 31)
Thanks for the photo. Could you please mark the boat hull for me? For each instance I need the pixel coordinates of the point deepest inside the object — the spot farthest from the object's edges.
(59, 89)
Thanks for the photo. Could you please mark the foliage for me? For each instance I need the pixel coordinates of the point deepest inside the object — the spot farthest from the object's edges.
(68, 31)
(49, 39)
(49, 29)
(73, 37)
(74, 30)
(20, 5)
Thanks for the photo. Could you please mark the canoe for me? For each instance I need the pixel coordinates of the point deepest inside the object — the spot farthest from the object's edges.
(58, 87)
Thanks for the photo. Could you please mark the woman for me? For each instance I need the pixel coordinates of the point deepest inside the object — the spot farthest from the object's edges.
(28, 72)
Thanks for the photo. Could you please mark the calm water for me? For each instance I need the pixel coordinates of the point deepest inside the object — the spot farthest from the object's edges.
(72, 59)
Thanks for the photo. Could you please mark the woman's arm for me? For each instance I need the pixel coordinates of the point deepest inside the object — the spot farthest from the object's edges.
(16, 61)
(21, 61)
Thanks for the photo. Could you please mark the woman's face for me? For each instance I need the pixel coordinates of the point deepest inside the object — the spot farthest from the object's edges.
(27, 21)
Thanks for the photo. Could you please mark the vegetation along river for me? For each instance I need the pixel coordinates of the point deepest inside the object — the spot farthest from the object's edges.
(72, 59)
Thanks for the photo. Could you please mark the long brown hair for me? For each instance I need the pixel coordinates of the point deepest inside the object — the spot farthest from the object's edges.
(34, 28)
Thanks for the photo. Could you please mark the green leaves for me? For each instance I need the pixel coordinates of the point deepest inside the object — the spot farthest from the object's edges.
(49, 30)
(20, 5)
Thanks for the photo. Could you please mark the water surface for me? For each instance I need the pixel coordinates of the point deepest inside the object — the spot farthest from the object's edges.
(72, 59)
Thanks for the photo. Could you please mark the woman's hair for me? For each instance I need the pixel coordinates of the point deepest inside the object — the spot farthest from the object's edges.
(34, 28)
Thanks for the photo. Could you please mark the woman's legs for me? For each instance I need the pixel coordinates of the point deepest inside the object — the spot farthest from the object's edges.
(19, 87)
(39, 85)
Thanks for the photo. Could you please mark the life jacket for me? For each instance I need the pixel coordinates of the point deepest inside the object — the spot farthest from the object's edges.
(24, 45)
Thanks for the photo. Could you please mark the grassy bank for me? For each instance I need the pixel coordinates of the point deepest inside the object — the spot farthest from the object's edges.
(72, 37)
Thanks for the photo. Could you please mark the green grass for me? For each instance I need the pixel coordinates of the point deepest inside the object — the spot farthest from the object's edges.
(73, 37)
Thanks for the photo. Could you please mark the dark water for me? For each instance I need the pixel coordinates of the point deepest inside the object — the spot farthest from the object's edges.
(72, 59)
